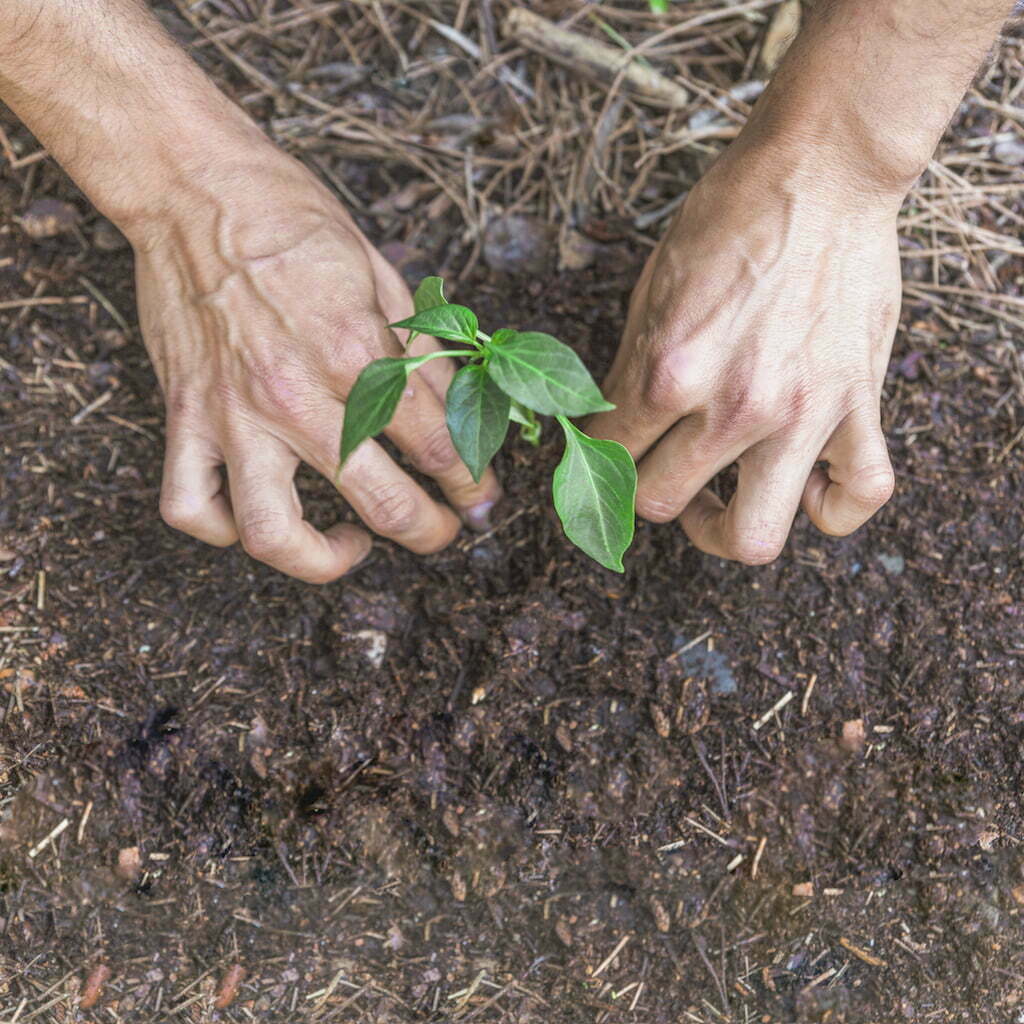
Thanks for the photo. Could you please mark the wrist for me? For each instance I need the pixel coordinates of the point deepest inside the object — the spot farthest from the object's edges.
(137, 125)
(870, 85)
(874, 158)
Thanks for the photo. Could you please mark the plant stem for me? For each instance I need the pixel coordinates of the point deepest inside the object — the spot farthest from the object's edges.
(441, 354)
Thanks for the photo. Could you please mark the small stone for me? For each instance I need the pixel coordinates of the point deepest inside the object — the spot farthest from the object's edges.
(852, 739)
(459, 888)
(47, 218)
(1017, 892)
(575, 251)
(563, 931)
(517, 245)
(564, 737)
(805, 890)
(1009, 151)
(375, 645)
(987, 839)
(662, 724)
(451, 821)
(129, 864)
(662, 918)
(107, 238)
(893, 564)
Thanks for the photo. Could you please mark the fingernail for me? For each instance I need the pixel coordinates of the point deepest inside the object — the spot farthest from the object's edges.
(479, 516)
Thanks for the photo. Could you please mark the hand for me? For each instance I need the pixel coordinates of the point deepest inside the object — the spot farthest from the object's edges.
(759, 333)
(259, 307)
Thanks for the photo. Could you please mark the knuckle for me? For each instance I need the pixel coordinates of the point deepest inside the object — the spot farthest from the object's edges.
(179, 510)
(741, 406)
(363, 335)
(656, 508)
(669, 378)
(435, 452)
(756, 547)
(393, 510)
(873, 486)
(281, 394)
(265, 534)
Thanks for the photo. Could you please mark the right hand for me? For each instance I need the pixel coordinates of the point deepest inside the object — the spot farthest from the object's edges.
(260, 303)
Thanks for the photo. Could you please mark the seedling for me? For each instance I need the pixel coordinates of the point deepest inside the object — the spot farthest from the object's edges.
(510, 377)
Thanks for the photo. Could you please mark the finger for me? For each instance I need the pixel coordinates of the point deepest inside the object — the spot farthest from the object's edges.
(691, 454)
(392, 504)
(420, 430)
(652, 383)
(192, 497)
(859, 480)
(383, 495)
(269, 518)
(753, 527)
(419, 426)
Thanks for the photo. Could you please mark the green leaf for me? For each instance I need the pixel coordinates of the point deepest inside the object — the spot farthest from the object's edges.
(659, 6)
(373, 399)
(538, 371)
(528, 423)
(429, 294)
(455, 323)
(476, 411)
(594, 490)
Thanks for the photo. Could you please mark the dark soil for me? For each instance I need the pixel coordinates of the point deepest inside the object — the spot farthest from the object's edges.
(551, 764)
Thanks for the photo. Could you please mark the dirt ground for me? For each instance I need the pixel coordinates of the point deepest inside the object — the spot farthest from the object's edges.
(501, 783)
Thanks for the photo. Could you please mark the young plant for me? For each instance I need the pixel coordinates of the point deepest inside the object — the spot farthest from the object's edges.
(510, 376)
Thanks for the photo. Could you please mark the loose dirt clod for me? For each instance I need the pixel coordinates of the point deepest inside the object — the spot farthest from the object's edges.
(93, 988)
(129, 864)
(853, 736)
(47, 218)
(227, 991)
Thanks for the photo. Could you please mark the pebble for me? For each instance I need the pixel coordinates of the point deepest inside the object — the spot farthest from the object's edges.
(47, 218)
(129, 864)
(576, 251)
(893, 564)
(375, 645)
(852, 739)
(517, 244)
(107, 238)
(1009, 151)
(711, 665)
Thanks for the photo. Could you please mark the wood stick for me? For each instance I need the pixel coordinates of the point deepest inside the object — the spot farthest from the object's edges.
(594, 59)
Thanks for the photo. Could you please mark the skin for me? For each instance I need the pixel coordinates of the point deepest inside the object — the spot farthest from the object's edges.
(758, 333)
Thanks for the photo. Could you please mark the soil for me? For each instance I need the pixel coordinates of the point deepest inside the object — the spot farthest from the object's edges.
(501, 783)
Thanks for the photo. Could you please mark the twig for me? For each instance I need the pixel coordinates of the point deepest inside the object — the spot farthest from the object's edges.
(597, 60)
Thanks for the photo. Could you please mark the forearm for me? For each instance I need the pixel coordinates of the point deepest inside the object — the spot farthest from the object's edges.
(122, 108)
(871, 84)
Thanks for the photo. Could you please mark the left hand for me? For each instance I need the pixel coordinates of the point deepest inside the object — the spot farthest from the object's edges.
(759, 333)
